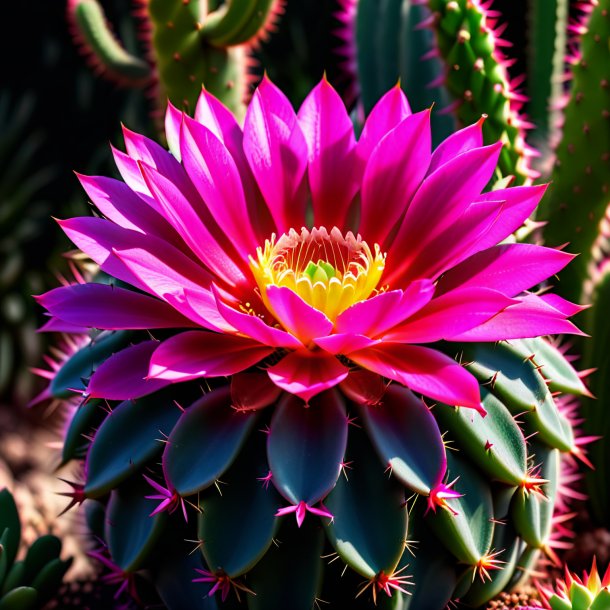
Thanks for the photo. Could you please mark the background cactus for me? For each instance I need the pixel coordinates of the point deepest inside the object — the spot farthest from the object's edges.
(185, 45)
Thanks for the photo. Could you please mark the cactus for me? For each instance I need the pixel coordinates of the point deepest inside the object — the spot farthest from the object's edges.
(591, 592)
(339, 457)
(31, 582)
(185, 46)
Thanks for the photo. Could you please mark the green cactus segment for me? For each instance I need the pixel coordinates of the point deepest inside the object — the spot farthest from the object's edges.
(185, 60)
(130, 531)
(559, 374)
(517, 382)
(204, 442)
(532, 509)
(90, 21)
(236, 535)
(504, 540)
(173, 577)
(432, 569)
(85, 421)
(596, 413)
(390, 49)
(547, 47)
(70, 378)
(369, 497)
(478, 79)
(602, 600)
(285, 579)
(306, 446)
(237, 22)
(30, 583)
(22, 598)
(10, 527)
(467, 534)
(407, 439)
(578, 197)
(495, 443)
(130, 436)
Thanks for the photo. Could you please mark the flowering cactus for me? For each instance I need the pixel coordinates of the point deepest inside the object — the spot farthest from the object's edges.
(317, 289)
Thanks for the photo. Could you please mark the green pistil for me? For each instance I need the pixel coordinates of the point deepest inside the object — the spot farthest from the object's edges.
(320, 272)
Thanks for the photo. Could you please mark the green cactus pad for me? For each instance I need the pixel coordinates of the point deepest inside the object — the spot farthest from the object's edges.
(85, 421)
(407, 439)
(130, 529)
(467, 534)
(495, 442)
(368, 496)
(306, 446)
(205, 441)
(236, 535)
(130, 436)
(22, 598)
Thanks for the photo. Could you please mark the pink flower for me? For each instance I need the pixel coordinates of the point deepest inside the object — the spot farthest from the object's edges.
(290, 238)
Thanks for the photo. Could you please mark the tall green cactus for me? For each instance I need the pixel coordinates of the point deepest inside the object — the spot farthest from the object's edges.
(187, 46)
(580, 188)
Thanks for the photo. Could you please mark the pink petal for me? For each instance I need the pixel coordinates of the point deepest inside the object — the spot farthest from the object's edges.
(388, 112)
(306, 373)
(457, 143)
(394, 171)
(277, 153)
(173, 122)
(254, 327)
(452, 313)
(195, 354)
(423, 370)
(378, 314)
(531, 317)
(55, 325)
(108, 307)
(216, 177)
(364, 387)
(564, 307)
(296, 316)
(181, 215)
(509, 268)
(100, 238)
(131, 174)
(441, 200)
(117, 202)
(329, 133)
(123, 375)
(432, 257)
(344, 344)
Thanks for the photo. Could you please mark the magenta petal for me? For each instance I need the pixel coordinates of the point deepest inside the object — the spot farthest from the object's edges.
(55, 325)
(255, 328)
(423, 370)
(296, 316)
(117, 202)
(130, 172)
(344, 344)
(531, 317)
(110, 308)
(509, 268)
(216, 176)
(443, 198)
(277, 153)
(123, 375)
(457, 143)
(173, 122)
(452, 313)
(564, 307)
(388, 112)
(394, 171)
(378, 314)
(181, 215)
(195, 354)
(333, 177)
(306, 373)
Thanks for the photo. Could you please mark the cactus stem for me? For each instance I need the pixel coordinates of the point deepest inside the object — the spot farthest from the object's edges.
(386, 583)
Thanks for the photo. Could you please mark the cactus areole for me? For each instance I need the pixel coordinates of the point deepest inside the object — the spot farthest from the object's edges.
(332, 281)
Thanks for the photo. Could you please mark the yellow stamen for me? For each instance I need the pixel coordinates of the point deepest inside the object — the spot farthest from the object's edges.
(329, 271)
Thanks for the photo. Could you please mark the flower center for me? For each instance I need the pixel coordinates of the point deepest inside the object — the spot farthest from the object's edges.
(329, 271)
